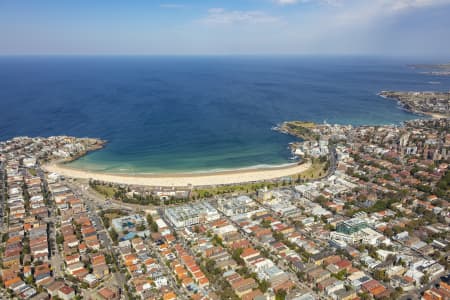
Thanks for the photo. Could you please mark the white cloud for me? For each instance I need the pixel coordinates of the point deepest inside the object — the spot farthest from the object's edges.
(392, 5)
(172, 6)
(399, 5)
(364, 12)
(290, 2)
(223, 16)
(286, 2)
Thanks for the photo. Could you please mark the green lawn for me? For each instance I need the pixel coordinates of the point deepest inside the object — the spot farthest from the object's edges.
(105, 190)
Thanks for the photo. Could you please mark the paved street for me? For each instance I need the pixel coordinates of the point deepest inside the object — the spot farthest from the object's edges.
(182, 292)
(3, 196)
(87, 196)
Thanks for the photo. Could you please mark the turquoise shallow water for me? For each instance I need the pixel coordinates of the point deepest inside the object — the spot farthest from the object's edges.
(178, 114)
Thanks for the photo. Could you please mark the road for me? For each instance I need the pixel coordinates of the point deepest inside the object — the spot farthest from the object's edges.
(333, 161)
(333, 165)
(3, 196)
(181, 292)
(87, 197)
(3, 219)
(56, 260)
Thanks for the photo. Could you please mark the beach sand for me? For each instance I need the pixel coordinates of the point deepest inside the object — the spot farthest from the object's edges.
(182, 180)
(438, 116)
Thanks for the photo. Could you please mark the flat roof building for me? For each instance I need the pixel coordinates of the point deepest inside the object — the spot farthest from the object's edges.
(351, 226)
(191, 214)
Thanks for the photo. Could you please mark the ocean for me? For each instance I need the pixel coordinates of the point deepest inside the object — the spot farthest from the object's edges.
(196, 113)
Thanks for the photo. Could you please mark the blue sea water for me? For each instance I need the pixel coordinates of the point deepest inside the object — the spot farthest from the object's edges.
(176, 114)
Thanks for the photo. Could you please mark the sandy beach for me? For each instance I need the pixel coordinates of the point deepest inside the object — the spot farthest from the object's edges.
(179, 180)
(438, 116)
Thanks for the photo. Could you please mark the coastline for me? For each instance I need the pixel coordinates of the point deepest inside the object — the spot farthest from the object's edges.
(436, 116)
(183, 179)
(132, 172)
(405, 105)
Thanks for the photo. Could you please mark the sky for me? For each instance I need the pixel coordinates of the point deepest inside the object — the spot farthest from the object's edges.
(181, 27)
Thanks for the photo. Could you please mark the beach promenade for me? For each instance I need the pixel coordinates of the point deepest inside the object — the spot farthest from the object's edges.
(181, 180)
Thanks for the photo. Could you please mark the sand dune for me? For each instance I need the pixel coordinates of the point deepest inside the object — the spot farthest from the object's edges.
(179, 180)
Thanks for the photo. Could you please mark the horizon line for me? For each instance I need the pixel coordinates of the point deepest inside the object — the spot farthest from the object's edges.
(368, 55)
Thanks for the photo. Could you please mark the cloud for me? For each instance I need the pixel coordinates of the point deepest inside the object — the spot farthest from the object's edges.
(286, 2)
(290, 2)
(172, 6)
(390, 5)
(363, 12)
(400, 5)
(223, 16)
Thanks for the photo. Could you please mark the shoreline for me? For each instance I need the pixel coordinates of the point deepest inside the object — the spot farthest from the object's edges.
(129, 172)
(411, 109)
(226, 177)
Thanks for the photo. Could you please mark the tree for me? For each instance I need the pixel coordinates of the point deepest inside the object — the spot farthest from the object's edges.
(301, 275)
(149, 220)
(280, 295)
(108, 259)
(425, 279)
(29, 279)
(380, 275)
(113, 234)
(321, 200)
(210, 266)
(264, 285)
(105, 220)
(237, 256)
(217, 240)
(5, 237)
(341, 274)
(265, 223)
(278, 236)
(364, 296)
(59, 239)
(397, 293)
(154, 227)
(84, 285)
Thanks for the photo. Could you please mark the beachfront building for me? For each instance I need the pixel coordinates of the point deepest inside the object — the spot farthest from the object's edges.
(236, 205)
(191, 214)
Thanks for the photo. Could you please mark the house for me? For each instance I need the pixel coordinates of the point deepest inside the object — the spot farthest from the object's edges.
(374, 288)
(90, 279)
(255, 294)
(436, 294)
(71, 269)
(317, 274)
(66, 292)
(343, 294)
(248, 254)
(170, 296)
(203, 282)
(100, 270)
(106, 294)
(72, 259)
(53, 287)
(243, 286)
